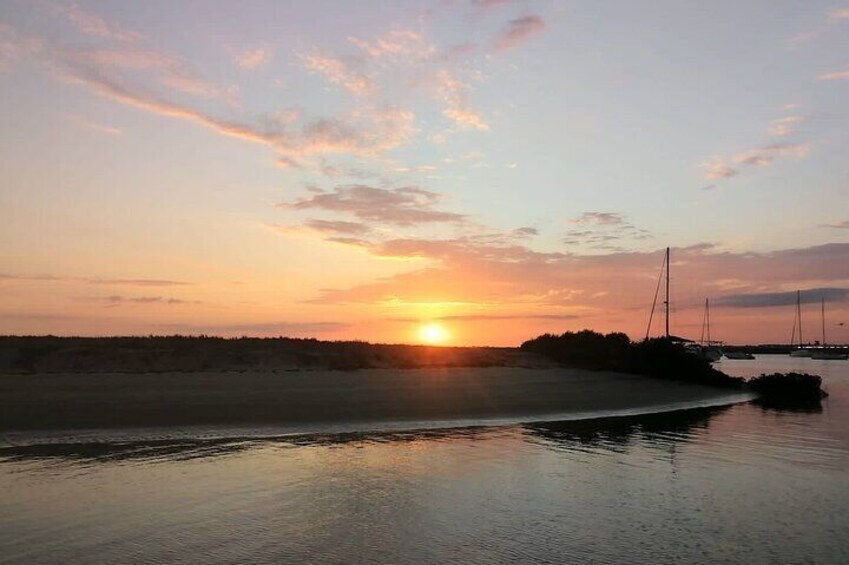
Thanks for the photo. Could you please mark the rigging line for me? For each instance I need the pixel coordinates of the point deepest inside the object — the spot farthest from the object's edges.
(793, 334)
(656, 292)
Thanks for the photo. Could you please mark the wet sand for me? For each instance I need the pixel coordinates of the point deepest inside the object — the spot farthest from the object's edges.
(92, 401)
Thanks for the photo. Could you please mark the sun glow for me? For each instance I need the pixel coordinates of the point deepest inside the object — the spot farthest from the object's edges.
(433, 334)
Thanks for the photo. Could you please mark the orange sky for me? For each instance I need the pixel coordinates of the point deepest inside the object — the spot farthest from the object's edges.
(499, 169)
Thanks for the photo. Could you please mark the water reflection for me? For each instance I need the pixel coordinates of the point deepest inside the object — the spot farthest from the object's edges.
(803, 407)
(614, 434)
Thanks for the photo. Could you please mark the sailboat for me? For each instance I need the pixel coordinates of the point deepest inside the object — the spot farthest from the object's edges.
(708, 348)
(824, 353)
(704, 349)
(801, 351)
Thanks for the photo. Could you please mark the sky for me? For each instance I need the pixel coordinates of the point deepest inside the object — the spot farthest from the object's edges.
(475, 172)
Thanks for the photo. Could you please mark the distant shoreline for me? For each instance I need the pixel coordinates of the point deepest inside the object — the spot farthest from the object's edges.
(155, 354)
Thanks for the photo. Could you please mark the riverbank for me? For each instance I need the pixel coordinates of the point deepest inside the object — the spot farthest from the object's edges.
(323, 397)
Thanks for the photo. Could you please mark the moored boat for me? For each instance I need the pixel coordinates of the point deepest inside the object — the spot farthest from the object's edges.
(826, 353)
(738, 355)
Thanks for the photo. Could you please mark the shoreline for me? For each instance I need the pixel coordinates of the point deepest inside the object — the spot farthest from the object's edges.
(335, 401)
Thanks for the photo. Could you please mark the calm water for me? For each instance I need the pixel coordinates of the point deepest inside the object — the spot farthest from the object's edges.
(723, 485)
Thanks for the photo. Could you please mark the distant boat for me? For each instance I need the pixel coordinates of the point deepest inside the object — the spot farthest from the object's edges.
(740, 355)
(824, 353)
(801, 351)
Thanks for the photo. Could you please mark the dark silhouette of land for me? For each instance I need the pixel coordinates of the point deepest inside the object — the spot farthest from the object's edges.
(661, 357)
(76, 383)
(49, 354)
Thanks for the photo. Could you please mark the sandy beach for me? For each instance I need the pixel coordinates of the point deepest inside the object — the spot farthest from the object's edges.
(91, 401)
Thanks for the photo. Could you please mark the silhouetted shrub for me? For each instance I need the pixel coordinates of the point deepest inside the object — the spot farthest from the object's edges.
(662, 358)
(788, 390)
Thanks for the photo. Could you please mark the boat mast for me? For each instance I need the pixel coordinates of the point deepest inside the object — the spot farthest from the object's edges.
(666, 302)
(707, 313)
(799, 314)
(823, 322)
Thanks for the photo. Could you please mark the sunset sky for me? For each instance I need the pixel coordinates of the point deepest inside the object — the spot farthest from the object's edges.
(477, 171)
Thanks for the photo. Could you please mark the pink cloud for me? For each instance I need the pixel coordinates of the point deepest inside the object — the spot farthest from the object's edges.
(452, 92)
(760, 157)
(608, 292)
(784, 126)
(405, 206)
(93, 24)
(166, 70)
(396, 43)
(518, 31)
(838, 75)
(15, 45)
(338, 72)
(839, 14)
(94, 126)
(253, 58)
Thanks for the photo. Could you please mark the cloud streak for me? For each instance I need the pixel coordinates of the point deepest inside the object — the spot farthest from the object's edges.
(92, 24)
(836, 75)
(339, 73)
(253, 59)
(772, 299)
(518, 31)
(724, 168)
(405, 206)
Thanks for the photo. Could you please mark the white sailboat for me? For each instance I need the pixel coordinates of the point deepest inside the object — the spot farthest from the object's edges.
(800, 351)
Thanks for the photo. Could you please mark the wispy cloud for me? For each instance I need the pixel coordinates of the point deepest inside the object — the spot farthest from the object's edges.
(518, 31)
(93, 24)
(254, 58)
(844, 225)
(94, 126)
(599, 218)
(165, 70)
(607, 231)
(338, 227)
(405, 206)
(839, 15)
(396, 44)
(137, 282)
(491, 4)
(723, 168)
(292, 329)
(771, 299)
(340, 73)
(489, 317)
(94, 281)
(786, 125)
(452, 92)
(15, 45)
(837, 75)
(116, 300)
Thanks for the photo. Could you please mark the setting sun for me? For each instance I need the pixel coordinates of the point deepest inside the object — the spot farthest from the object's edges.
(433, 334)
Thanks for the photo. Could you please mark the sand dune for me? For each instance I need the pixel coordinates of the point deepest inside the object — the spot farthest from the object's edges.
(84, 401)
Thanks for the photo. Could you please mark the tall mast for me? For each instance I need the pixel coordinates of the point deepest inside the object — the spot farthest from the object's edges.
(799, 314)
(823, 321)
(666, 302)
(707, 314)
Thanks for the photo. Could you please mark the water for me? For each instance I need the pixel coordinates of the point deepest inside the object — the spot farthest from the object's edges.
(737, 484)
